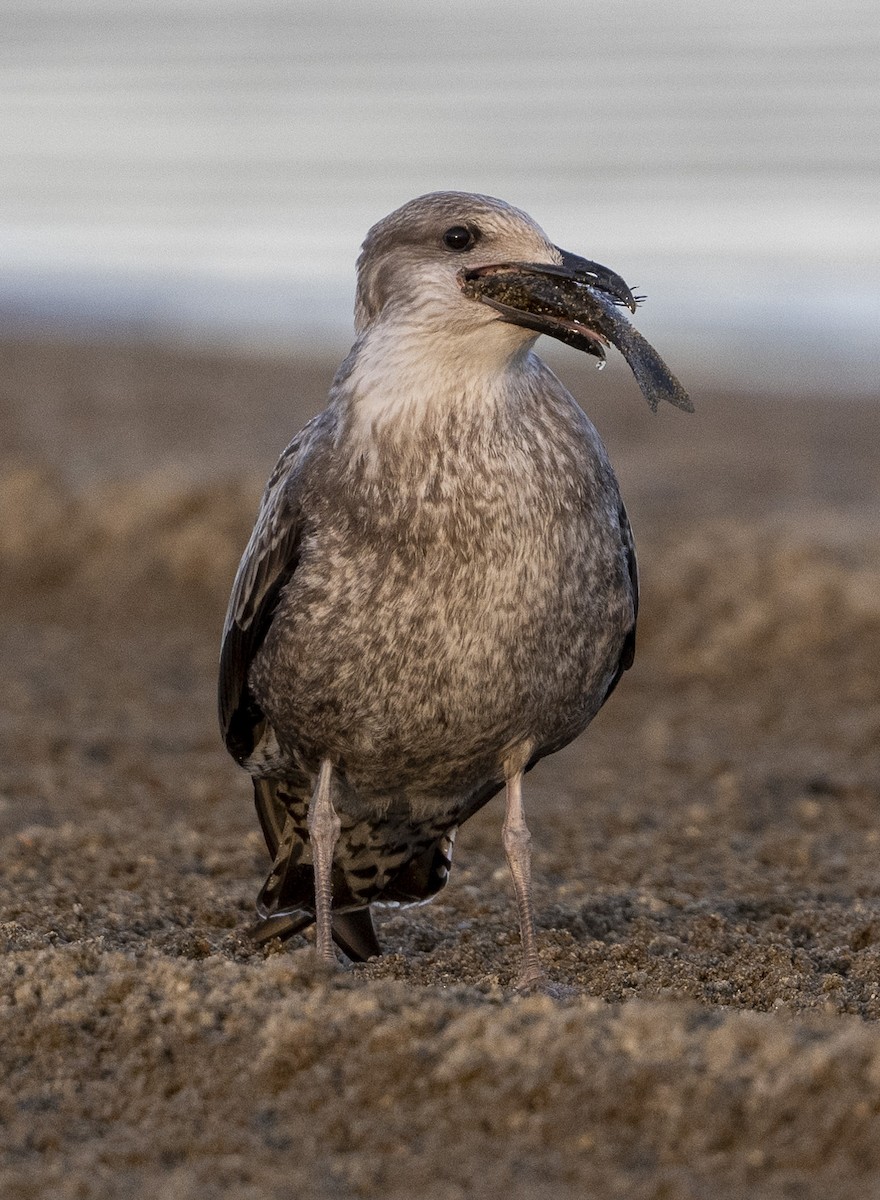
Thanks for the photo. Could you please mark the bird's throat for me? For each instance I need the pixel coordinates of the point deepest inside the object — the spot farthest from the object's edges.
(400, 390)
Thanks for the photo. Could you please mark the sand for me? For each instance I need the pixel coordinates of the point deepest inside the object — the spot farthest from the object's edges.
(705, 856)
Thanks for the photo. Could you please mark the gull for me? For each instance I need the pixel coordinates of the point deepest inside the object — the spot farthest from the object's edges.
(441, 586)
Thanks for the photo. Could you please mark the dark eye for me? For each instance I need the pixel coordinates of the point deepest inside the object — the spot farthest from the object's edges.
(459, 237)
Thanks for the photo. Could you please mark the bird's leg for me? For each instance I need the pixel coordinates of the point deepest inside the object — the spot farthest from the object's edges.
(324, 826)
(517, 839)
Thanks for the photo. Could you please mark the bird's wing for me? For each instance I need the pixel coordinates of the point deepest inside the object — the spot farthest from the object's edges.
(266, 566)
(628, 650)
(632, 567)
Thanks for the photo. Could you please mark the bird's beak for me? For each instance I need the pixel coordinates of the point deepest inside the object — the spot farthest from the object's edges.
(577, 302)
(597, 276)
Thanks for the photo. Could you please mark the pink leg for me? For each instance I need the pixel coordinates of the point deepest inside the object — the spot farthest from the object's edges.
(324, 826)
(517, 838)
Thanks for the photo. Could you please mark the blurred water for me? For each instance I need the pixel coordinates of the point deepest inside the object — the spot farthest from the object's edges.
(207, 168)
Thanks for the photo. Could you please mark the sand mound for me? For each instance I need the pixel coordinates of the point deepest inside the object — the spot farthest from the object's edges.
(117, 536)
(638, 1100)
(764, 590)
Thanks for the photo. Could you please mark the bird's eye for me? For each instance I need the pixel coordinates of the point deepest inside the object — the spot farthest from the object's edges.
(459, 237)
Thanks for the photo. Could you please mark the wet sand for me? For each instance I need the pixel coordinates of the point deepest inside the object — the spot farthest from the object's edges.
(706, 856)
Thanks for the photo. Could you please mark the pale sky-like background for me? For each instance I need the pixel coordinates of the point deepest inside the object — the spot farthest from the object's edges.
(205, 171)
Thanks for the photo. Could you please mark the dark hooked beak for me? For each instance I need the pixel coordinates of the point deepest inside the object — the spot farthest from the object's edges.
(577, 302)
(596, 276)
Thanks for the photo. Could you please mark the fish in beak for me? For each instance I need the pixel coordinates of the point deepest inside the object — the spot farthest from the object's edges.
(577, 302)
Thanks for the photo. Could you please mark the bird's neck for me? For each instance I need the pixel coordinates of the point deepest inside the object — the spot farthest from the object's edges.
(399, 384)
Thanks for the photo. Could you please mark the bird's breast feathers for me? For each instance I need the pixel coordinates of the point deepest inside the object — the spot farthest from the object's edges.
(441, 616)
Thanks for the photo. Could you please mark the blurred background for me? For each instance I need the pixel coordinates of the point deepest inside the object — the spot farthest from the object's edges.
(203, 171)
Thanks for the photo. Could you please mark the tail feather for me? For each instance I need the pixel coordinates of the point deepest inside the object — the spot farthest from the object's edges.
(354, 934)
(353, 931)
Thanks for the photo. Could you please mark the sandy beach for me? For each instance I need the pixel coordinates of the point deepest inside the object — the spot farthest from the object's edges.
(705, 857)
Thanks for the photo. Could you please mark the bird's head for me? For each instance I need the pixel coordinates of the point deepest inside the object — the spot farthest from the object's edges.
(474, 271)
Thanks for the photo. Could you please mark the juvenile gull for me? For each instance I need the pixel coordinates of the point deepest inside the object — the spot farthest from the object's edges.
(441, 585)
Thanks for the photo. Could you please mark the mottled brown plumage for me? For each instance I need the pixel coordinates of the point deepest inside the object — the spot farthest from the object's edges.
(439, 590)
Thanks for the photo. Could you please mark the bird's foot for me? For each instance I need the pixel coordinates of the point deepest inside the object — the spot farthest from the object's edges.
(314, 972)
(533, 981)
(327, 959)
